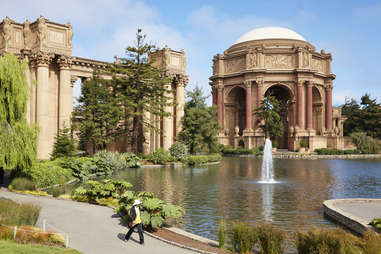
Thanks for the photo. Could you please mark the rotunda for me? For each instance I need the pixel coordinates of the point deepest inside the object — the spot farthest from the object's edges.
(281, 62)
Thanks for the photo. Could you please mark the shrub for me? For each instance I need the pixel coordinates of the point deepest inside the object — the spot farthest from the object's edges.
(329, 151)
(64, 144)
(222, 234)
(376, 223)
(48, 173)
(178, 150)
(98, 191)
(353, 151)
(241, 143)
(130, 160)
(82, 167)
(22, 183)
(371, 243)
(113, 158)
(327, 241)
(364, 143)
(243, 237)
(193, 160)
(153, 210)
(303, 143)
(271, 239)
(160, 156)
(12, 213)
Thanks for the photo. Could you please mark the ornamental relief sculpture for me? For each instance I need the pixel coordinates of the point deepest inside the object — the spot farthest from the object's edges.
(233, 65)
(278, 61)
(6, 33)
(317, 65)
(41, 32)
(27, 35)
(251, 59)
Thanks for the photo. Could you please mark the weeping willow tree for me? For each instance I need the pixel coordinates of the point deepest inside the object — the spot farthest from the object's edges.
(17, 138)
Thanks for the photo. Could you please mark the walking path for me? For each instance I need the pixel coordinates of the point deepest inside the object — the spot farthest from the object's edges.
(92, 229)
(355, 214)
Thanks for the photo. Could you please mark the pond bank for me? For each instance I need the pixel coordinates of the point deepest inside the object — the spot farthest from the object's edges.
(292, 155)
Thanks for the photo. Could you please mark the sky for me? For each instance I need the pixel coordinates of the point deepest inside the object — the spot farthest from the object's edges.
(349, 30)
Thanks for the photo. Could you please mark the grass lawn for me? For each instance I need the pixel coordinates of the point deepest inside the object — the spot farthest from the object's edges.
(10, 247)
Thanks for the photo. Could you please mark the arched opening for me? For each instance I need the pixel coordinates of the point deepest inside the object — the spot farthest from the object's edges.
(283, 95)
(235, 106)
(317, 111)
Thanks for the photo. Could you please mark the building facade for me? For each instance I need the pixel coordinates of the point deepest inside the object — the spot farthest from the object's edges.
(280, 62)
(52, 70)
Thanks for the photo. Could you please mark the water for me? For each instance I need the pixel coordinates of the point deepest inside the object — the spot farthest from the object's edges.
(232, 191)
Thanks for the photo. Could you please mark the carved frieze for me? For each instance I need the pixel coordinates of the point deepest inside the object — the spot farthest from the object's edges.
(306, 59)
(278, 61)
(251, 59)
(41, 32)
(234, 65)
(317, 64)
(41, 58)
(27, 35)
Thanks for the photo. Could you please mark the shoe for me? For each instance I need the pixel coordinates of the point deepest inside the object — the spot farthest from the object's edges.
(141, 243)
(125, 240)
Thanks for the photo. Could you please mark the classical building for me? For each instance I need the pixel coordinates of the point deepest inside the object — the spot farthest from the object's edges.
(277, 61)
(52, 70)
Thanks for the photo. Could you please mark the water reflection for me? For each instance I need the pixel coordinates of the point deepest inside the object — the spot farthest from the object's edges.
(231, 191)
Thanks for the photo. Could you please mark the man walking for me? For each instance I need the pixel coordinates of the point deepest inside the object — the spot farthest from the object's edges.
(136, 222)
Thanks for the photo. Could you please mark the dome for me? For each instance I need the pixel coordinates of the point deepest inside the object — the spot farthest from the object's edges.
(264, 33)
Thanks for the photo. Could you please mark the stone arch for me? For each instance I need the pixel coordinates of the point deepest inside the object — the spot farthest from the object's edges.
(317, 110)
(235, 110)
(285, 95)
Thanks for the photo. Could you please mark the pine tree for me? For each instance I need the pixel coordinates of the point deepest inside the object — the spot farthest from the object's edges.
(199, 124)
(142, 90)
(97, 114)
(269, 113)
(18, 147)
(64, 145)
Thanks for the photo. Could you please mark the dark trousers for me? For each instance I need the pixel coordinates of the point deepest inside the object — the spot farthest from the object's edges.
(140, 230)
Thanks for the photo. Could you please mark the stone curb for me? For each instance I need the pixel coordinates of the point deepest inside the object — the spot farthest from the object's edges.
(314, 156)
(350, 221)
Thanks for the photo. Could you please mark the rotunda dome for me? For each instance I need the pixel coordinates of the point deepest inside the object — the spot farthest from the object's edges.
(264, 33)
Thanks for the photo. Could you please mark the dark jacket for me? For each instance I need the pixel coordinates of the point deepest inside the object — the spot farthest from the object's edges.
(132, 214)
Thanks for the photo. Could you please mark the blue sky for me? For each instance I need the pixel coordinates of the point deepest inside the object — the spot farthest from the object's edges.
(350, 30)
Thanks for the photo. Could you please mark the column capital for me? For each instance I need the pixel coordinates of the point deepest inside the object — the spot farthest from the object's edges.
(65, 62)
(42, 59)
(73, 79)
(248, 83)
(259, 82)
(300, 82)
(219, 85)
(310, 83)
(328, 86)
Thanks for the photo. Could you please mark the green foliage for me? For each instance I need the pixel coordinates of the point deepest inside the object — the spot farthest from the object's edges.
(240, 150)
(193, 160)
(13, 247)
(243, 237)
(199, 124)
(270, 113)
(271, 239)
(99, 191)
(303, 143)
(364, 143)
(376, 223)
(371, 243)
(141, 89)
(64, 145)
(331, 151)
(335, 241)
(178, 150)
(154, 211)
(48, 173)
(362, 117)
(130, 160)
(241, 144)
(222, 234)
(12, 213)
(18, 139)
(160, 156)
(22, 183)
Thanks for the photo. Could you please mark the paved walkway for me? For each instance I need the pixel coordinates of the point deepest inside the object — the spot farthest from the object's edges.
(92, 229)
(364, 210)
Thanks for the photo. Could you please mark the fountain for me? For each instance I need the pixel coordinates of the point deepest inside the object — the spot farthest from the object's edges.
(267, 163)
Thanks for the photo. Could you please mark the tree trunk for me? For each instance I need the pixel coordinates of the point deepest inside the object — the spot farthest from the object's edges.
(1, 176)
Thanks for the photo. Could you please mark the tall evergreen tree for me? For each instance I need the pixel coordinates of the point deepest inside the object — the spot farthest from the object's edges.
(17, 138)
(98, 113)
(64, 144)
(199, 124)
(142, 90)
(269, 112)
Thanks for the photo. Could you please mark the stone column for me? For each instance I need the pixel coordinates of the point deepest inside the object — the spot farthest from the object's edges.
(220, 105)
(328, 107)
(180, 102)
(299, 102)
(259, 92)
(65, 96)
(248, 106)
(309, 105)
(168, 120)
(44, 142)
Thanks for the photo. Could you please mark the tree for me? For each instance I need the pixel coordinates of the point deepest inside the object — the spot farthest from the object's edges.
(18, 148)
(269, 115)
(98, 113)
(199, 124)
(64, 145)
(142, 88)
(362, 117)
